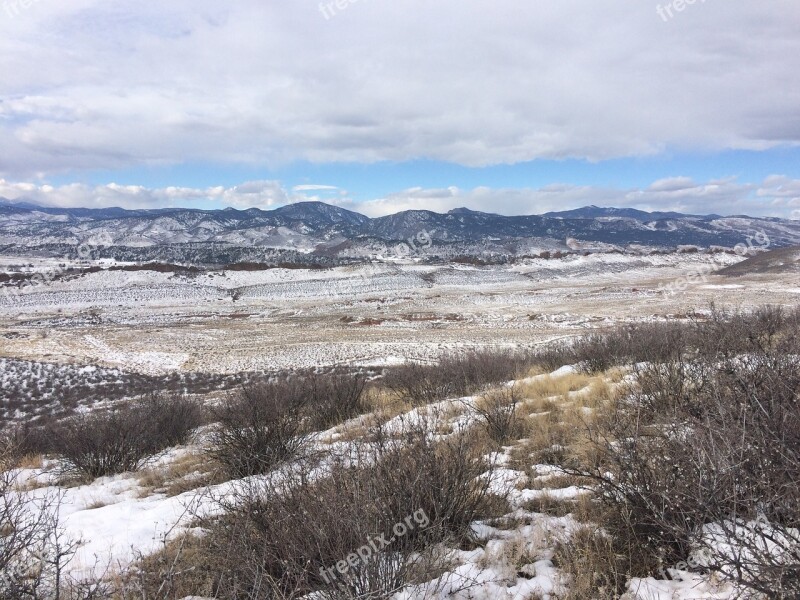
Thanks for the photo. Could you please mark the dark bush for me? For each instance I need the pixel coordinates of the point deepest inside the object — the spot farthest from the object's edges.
(648, 342)
(712, 438)
(334, 399)
(498, 412)
(260, 427)
(455, 375)
(449, 479)
(123, 438)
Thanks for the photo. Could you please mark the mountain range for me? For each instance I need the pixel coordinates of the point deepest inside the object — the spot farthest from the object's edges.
(306, 226)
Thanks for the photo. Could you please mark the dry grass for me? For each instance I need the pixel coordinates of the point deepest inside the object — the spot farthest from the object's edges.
(385, 402)
(31, 461)
(188, 472)
(549, 386)
(354, 431)
(546, 504)
(95, 504)
(515, 554)
(179, 569)
(596, 570)
(555, 482)
(556, 427)
(534, 371)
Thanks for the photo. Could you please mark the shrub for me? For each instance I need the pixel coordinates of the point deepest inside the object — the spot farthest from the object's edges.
(553, 356)
(649, 342)
(173, 418)
(596, 566)
(123, 438)
(33, 548)
(498, 412)
(449, 479)
(260, 427)
(335, 398)
(283, 537)
(454, 375)
(706, 455)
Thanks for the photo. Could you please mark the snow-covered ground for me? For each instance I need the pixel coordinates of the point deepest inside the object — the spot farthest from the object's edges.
(226, 322)
(119, 519)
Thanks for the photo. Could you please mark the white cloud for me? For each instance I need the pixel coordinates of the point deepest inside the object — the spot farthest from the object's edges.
(260, 194)
(87, 84)
(315, 188)
(779, 186)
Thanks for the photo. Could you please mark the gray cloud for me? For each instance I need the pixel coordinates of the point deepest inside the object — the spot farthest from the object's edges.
(90, 84)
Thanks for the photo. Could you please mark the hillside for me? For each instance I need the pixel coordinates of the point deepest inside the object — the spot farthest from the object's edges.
(779, 261)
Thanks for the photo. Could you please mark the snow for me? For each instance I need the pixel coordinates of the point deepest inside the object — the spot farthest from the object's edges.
(684, 586)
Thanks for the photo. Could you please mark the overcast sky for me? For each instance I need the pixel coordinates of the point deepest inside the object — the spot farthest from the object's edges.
(383, 105)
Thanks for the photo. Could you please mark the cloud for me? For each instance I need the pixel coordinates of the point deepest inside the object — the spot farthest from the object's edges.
(87, 84)
(259, 194)
(681, 194)
(779, 186)
(315, 188)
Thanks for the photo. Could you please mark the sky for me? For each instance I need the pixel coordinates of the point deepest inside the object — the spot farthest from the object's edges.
(512, 107)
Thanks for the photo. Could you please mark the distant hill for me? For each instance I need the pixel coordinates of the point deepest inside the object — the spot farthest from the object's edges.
(599, 212)
(782, 260)
(305, 226)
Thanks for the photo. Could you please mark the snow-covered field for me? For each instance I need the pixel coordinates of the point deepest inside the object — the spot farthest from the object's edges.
(226, 322)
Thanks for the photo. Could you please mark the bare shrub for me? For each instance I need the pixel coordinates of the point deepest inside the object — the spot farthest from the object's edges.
(498, 412)
(449, 479)
(335, 398)
(421, 384)
(650, 342)
(33, 547)
(284, 536)
(594, 563)
(260, 427)
(123, 438)
(553, 356)
(173, 418)
(454, 375)
(706, 456)
(26, 439)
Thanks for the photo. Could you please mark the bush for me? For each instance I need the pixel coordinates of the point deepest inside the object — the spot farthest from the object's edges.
(33, 547)
(259, 428)
(649, 342)
(596, 566)
(26, 439)
(123, 438)
(706, 455)
(283, 537)
(498, 412)
(335, 398)
(454, 375)
(449, 479)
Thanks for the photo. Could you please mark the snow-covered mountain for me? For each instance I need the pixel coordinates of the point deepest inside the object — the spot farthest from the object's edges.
(305, 226)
